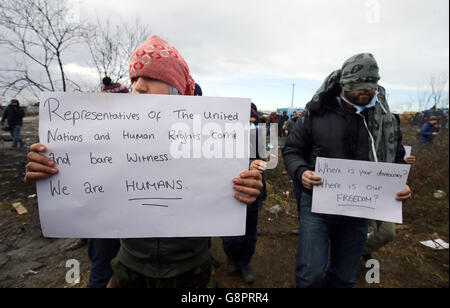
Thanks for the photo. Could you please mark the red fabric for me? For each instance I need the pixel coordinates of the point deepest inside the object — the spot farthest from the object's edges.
(115, 88)
(157, 59)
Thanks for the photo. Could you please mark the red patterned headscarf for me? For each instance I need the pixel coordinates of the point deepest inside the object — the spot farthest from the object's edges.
(157, 59)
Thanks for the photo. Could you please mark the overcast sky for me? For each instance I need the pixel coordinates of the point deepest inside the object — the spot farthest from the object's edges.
(259, 48)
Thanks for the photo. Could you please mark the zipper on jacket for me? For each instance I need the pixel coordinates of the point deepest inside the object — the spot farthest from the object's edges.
(367, 127)
(371, 137)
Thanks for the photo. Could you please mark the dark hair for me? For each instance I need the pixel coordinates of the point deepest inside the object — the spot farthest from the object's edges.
(198, 90)
(15, 101)
(107, 81)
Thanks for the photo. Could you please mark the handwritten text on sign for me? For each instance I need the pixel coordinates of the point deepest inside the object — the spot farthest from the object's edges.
(359, 189)
(133, 166)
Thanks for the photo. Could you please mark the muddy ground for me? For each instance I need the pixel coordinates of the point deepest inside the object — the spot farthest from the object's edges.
(29, 260)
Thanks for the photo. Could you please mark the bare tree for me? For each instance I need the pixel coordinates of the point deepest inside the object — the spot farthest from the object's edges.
(36, 34)
(436, 95)
(112, 45)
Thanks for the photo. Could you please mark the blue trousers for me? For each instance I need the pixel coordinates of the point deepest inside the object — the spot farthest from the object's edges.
(15, 133)
(240, 249)
(344, 237)
(101, 252)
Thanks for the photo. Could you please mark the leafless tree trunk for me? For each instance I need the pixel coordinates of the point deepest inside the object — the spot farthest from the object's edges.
(36, 33)
(112, 45)
(436, 95)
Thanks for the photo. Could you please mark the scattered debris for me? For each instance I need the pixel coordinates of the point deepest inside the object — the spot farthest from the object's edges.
(32, 196)
(295, 231)
(438, 244)
(19, 208)
(289, 214)
(28, 273)
(73, 244)
(275, 209)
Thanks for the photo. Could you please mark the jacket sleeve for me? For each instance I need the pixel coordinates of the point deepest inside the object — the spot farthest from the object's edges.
(400, 154)
(21, 112)
(5, 114)
(297, 147)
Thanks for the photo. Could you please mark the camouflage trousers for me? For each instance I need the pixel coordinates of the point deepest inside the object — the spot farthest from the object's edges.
(199, 277)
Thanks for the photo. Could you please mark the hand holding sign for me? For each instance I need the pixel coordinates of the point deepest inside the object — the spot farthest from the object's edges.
(309, 179)
(39, 166)
(361, 189)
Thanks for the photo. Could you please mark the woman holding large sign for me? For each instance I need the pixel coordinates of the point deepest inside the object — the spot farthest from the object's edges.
(157, 68)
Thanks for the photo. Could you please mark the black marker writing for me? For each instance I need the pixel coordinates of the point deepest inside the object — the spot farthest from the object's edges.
(56, 136)
(58, 190)
(171, 185)
(138, 136)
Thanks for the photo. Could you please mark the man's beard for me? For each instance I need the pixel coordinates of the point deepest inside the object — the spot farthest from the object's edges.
(363, 98)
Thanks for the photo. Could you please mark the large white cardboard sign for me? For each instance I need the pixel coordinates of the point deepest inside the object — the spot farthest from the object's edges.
(139, 166)
(359, 189)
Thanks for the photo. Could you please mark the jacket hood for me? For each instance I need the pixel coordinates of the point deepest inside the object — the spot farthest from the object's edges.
(325, 96)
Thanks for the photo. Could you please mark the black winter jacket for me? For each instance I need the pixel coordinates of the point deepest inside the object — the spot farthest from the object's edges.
(14, 115)
(323, 131)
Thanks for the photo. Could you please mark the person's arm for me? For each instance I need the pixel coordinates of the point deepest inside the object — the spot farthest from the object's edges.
(410, 159)
(258, 165)
(21, 112)
(426, 131)
(297, 147)
(5, 114)
(405, 194)
(248, 186)
(400, 154)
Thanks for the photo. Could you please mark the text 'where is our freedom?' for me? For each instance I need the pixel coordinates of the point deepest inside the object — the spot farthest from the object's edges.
(360, 189)
(139, 166)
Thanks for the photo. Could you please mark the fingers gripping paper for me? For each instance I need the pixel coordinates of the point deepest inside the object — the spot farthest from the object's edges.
(133, 166)
(359, 189)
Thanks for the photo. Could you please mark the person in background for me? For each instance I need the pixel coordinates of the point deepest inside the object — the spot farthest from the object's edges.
(240, 249)
(429, 130)
(198, 90)
(14, 115)
(109, 87)
(282, 120)
(289, 125)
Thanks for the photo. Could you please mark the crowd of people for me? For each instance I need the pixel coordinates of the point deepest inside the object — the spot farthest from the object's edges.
(348, 118)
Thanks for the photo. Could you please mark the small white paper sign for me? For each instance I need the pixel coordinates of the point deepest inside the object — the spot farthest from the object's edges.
(141, 166)
(407, 150)
(359, 189)
(438, 244)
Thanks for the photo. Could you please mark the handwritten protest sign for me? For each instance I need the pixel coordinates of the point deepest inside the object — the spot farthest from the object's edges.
(137, 166)
(359, 189)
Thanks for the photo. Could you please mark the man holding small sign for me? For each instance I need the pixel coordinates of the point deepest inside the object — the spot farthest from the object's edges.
(348, 119)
